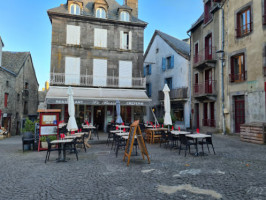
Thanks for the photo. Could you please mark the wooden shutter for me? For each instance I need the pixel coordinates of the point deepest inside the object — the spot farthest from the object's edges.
(72, 71)
(121, 40)
(238, 25)
(99, 72)
(244, 68)
(73, 35)
(100, 37)
(149, 69)
(144, 70)
(130, 40)
(163, 64)
(232, 70)
(172, 61)
(125, 73)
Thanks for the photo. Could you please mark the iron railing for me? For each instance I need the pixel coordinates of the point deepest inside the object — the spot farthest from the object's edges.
(178, 93)
(244, 29)
(208, 122)
(238, 77)
(205, 54)
(94, 81)
(205, 88)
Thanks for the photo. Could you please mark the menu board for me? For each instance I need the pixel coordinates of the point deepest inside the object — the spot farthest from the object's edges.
(49, 120)
(48, 130)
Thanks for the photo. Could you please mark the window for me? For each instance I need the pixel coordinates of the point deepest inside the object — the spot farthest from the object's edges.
(99, 72)
(72, 71)
(7, 83)
(238, 73)
(73, 35)
(157, 50)
(168, 81)
(207, 12)
(100, 37)
(125, 73)
(196, 53)
(100, 13)
(25, 111)
(26, 85)
(6, 100)
(75, 9)
(244, 22)
(148, 89)
(208, 47)
(126, 40)
(124, 16)
(168, 62)
(148, 69)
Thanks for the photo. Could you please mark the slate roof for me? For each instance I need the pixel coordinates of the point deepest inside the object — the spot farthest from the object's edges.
(13, 61)
(198, 22)
(179, 46)
(88, 10)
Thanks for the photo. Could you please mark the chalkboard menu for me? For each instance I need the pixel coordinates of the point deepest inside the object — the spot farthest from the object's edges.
(135, 131)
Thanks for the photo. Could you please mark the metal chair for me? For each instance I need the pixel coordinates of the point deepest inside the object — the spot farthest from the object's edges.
(207, 141)
(50, 149)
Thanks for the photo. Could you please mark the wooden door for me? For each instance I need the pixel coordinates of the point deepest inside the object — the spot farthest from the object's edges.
(239, 112)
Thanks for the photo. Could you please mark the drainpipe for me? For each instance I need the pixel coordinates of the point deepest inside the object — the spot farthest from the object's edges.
(189, 79)
(222, 66)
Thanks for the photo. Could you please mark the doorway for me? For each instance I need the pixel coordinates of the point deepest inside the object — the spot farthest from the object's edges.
(99, 116)
(239, 112)
(197, 114)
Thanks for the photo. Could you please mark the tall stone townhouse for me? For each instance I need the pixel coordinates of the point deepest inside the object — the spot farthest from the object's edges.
(166, 61)
(234, 93)
(18, 90)
(97, 48)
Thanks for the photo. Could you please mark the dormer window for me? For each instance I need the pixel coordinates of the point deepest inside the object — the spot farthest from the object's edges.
(75, 9)
(124, 16)
(100, 13)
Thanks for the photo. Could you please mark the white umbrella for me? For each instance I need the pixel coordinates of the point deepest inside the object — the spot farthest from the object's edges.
(167, 106)
(72, 124)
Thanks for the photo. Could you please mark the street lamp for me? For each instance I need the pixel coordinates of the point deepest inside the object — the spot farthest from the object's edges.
(220, 55)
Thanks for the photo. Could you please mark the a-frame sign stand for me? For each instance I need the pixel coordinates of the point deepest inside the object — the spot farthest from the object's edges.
(135, 132)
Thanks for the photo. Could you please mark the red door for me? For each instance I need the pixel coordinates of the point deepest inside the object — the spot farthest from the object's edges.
(197, 114)
(205, 114)
(208, 81)
(212, 120)
(196, 53)
(208, 47)
(196, 83)
(239, 112)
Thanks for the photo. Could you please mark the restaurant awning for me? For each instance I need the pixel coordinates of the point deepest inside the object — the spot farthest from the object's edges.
(98, 96)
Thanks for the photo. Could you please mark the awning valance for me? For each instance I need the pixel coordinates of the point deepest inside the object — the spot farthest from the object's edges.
(98, 96)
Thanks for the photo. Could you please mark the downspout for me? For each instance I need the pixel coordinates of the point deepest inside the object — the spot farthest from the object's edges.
(189, 79)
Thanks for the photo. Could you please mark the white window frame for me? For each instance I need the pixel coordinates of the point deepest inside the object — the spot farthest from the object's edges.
(124, 16)
(100, 37)
(124, 41)
(76, 9)
(73, 35)
(101, 13)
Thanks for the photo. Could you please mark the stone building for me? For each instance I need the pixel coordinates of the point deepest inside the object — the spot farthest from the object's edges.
(236, 32)
(166, 61)
(18, 89)
(205, 69)
(97, 48)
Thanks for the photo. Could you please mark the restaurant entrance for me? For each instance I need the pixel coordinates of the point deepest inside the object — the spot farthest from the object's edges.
(99, 116)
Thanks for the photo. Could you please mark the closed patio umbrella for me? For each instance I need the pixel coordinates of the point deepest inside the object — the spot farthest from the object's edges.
(167, 106)
(119, 119)
(72, 124)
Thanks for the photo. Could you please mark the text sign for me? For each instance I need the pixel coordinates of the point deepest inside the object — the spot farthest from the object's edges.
(48, 130)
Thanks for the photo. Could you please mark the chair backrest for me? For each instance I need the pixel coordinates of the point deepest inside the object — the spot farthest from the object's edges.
(209, 139)
(183, 139)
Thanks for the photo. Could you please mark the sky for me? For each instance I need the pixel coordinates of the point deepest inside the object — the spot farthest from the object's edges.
(25, 25)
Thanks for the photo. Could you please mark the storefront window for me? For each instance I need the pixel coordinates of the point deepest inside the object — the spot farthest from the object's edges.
(126, 114)
(110, 114)
(139, 113)
(87, 116)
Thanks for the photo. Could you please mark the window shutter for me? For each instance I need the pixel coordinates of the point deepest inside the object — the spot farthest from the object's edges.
(99, 72)
(100, 37)
(172, 62)
(125, 73)
(149, 69)
(121, 40)
(130, 40)
(238, 26)
(163, 64)
(244, 69)
(144, 70)
(72, 71)
(232, 70)
(73, 35)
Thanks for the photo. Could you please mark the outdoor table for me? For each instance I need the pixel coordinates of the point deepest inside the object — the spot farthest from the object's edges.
(62, 143)
(115, 131)
(180, 132)
(152, 131)
(122, 134)
(126, 137)
(196, 137)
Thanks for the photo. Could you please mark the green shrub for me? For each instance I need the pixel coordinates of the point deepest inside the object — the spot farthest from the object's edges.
(29, 126)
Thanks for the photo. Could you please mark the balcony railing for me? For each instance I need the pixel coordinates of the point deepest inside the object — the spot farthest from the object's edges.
(208, 122)
(178, 93)
(94, 81)
(238, 77)
(205, 55)
(244, 30)
(206, 88)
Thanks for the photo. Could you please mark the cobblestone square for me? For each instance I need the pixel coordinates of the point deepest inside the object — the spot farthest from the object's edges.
(237, 171)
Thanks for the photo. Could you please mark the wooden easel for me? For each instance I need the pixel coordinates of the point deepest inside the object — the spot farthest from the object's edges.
(135, 131)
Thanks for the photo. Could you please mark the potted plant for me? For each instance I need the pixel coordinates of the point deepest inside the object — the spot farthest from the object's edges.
(28, 131)
(43, 142)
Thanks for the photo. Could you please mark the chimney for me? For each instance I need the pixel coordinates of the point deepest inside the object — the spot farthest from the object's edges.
(134, 5)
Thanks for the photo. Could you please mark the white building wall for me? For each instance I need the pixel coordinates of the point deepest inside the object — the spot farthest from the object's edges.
(179, 74)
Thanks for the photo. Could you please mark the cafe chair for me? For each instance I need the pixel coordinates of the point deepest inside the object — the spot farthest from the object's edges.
(164, 139)
(207, 141)
(50, 148)
(184, 142)
(72, 147)
(81, 142)
(27, 139)
(96, 131)
(173, 140)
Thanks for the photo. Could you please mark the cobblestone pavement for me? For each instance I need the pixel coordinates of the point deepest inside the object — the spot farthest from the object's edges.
(237, 171)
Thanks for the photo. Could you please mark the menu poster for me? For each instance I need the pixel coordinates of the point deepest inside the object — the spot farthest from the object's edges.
(49, 120)
(48, 130)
